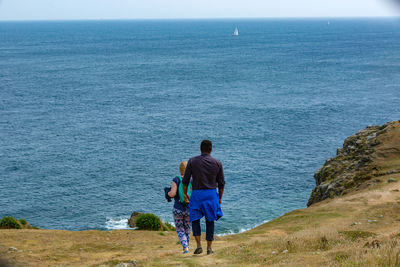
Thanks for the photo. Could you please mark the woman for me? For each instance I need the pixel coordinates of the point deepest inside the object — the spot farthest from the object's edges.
(180, 211)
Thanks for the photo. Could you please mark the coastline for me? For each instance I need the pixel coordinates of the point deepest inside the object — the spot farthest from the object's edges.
(122, 224)
(368, 211)
(358, 226)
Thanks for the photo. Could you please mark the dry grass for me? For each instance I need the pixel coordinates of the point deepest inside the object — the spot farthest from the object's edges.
(359, 229)
(350, 231)
(315, 247)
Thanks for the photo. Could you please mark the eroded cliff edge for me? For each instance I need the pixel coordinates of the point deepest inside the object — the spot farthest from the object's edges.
(363, 161)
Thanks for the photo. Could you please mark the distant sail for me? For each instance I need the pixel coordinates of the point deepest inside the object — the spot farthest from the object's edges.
(236, 32)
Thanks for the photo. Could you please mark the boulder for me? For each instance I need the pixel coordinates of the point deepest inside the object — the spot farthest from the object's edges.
(132, 219)
(12, 249)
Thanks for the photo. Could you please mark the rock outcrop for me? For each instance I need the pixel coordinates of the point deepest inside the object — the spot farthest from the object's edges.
(132, 219)
(364, 158)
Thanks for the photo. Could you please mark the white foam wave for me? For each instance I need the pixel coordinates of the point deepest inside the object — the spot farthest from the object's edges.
(241, 230)
(172, 223)
(117, 224)
(121, 223)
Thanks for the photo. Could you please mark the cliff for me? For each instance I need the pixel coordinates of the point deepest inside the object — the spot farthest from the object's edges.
(365, 158)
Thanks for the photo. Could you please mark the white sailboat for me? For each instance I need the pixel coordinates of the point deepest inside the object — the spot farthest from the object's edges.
(236, 32)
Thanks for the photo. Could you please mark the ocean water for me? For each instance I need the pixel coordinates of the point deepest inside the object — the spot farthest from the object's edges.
(95, 117)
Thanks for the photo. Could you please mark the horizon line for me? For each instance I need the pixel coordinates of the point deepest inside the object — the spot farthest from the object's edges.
(202, 18)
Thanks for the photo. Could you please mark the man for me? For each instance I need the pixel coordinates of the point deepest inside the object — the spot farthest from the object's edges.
(207, 174)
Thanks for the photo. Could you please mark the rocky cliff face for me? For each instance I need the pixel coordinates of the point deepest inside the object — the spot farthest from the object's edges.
(366, 159)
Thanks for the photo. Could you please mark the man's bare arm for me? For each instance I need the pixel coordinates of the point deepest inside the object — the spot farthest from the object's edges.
(185, 189)
(220, 193)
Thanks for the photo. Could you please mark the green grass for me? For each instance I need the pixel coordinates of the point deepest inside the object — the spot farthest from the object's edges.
(341, 256)
(355, 235)
(299, 219)
(169, 227)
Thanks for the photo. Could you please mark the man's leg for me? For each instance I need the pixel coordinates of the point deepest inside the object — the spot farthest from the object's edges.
(209, 235)
(197, 235)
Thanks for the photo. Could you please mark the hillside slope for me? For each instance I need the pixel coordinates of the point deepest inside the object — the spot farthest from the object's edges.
(357, 226)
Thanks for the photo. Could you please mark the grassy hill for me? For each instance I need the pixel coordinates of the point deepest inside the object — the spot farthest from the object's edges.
(357, 227)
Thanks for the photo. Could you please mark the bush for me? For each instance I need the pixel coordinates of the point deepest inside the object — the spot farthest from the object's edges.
(23, 222)
(9, 223)
(148, 221)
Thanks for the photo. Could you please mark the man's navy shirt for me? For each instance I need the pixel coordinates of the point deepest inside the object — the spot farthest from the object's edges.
(207, 173)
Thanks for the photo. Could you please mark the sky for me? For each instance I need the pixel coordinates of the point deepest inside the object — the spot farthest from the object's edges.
(159, 9)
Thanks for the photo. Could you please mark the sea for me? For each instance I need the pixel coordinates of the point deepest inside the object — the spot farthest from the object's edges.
(96, 116)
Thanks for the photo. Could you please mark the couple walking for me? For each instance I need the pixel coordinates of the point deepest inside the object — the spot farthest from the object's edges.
(203, 174)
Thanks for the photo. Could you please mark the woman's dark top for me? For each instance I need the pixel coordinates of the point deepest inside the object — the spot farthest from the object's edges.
(177, 204)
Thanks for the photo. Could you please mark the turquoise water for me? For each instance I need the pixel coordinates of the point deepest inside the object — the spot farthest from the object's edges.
(95, 117)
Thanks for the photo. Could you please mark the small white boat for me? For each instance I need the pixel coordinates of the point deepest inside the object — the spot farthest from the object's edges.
(236, 32)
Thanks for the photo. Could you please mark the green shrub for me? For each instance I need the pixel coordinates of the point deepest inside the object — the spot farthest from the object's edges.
(9, 223)
(148, 221)
(23, 222)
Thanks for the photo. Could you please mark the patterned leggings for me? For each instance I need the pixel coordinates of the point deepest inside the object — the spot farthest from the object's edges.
(182, 225)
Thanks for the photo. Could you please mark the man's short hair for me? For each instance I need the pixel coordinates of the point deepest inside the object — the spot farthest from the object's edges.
(206, 146)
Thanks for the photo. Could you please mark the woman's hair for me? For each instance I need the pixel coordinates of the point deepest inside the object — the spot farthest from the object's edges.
(182, 167)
